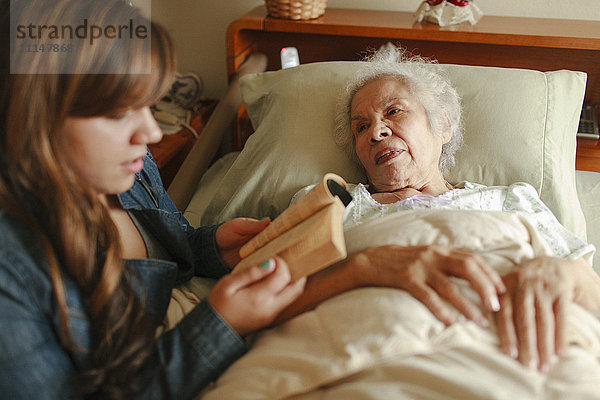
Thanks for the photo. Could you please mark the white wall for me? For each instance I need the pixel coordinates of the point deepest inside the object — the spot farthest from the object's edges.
(198, 26)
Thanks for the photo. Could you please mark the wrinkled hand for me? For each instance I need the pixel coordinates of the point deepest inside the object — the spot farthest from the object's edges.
(426, 272)
(233, 234)
(532, 321)
(251, 299)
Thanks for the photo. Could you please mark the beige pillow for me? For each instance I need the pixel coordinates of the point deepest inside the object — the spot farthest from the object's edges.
(520, 125)
(588, 188)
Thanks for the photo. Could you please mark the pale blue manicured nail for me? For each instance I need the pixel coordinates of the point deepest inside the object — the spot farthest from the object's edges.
(267, 264)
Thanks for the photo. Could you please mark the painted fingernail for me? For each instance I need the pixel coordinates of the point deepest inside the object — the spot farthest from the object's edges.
(267, 264)
(493, 303)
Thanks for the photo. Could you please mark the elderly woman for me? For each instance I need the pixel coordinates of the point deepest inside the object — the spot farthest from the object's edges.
(402, 121)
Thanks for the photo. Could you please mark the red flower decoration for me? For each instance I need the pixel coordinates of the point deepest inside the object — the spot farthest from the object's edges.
(459, 3)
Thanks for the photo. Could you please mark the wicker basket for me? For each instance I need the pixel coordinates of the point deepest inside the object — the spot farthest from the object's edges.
(296, 9)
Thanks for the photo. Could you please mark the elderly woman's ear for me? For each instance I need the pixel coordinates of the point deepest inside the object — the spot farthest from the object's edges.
(446, 130)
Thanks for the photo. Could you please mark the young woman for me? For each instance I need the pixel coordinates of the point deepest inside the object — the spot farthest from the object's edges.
(90, 243)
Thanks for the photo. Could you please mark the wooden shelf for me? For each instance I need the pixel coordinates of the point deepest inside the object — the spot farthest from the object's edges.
(588, 155)
(512, 42)
(344, 34)
(536, 32)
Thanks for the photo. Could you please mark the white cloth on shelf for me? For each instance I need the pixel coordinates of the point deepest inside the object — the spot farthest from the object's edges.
(446, 13)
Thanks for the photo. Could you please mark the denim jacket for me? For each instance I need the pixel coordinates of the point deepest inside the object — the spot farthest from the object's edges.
(34, 365)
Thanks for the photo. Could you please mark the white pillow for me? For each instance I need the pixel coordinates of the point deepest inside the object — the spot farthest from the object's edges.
(588, 188)
(520, 125)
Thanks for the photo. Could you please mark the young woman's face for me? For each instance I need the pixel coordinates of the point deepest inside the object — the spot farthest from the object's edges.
(393, 139)
(107, 151)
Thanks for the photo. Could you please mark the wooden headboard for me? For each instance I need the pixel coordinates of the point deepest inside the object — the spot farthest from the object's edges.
(346, 34)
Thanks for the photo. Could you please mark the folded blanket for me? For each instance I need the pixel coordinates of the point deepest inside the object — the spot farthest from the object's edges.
(378, 343)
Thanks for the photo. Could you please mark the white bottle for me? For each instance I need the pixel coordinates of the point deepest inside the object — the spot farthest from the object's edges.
(289, 57)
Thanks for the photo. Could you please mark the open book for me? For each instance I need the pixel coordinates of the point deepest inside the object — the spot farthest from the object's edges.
(308, 235)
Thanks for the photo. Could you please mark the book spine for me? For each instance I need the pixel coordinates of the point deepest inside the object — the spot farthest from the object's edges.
(315, 243)
(319, 197)
(321, 248)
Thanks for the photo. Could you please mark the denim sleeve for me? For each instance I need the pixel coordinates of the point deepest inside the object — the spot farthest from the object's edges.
(206, 258)
(34, 364)
(192, 355)
(207, 261)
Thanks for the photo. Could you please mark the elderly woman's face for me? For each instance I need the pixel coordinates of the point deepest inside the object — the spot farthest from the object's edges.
(393, 139)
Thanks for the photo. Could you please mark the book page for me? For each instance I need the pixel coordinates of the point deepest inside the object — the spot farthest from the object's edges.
(319, 197)
(311, 245)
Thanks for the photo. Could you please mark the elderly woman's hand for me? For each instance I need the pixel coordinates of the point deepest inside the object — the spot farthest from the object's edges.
(532, 321)
(426, 272)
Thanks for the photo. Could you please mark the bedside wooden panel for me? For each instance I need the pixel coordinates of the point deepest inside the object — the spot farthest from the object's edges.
(588, 155)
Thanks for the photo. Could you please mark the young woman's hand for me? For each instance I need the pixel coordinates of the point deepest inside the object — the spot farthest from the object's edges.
(251, 299)
(233, 234)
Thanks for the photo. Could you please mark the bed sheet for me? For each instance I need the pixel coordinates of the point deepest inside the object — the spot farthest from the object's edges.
(378, 343)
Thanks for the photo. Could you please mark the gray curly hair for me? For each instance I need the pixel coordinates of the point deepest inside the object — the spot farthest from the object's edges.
(427, 84)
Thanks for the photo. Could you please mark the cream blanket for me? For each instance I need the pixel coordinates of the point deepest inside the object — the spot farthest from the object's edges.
(378, 343)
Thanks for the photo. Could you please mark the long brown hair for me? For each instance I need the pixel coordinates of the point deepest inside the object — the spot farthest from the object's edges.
(76, 233)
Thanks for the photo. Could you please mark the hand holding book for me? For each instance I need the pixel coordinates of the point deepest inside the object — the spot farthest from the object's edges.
(308, 235)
